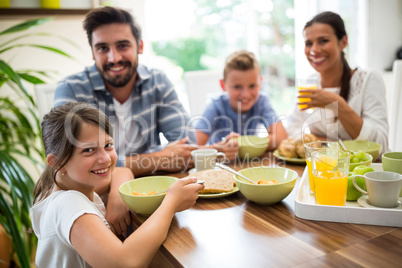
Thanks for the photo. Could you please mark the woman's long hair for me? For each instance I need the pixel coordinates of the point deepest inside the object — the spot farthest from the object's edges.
(336, 22)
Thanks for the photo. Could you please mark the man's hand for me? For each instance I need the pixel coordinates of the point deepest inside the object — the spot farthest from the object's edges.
(177, 155)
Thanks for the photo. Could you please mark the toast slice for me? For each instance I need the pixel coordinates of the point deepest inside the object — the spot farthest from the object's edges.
(215, 181)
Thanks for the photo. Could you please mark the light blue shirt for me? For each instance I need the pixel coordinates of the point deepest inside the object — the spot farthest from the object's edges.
(219, 119)
(155, 107)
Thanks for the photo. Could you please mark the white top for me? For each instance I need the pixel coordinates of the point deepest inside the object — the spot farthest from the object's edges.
(366, 98)
(52, 219)
(124, 127)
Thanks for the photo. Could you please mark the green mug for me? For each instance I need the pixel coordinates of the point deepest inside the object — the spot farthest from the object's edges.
(392, 161)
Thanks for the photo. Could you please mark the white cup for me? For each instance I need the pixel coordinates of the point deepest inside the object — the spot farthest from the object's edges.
(205, 158)
(383, 188)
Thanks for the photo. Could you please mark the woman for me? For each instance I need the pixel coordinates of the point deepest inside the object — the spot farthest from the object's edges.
(352, 103)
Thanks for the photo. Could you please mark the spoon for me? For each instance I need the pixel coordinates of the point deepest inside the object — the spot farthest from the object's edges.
(342, 145)
(197, 182)
(222, 166)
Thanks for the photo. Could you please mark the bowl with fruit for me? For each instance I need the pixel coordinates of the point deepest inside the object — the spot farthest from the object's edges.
(360, 158)
(369, 147)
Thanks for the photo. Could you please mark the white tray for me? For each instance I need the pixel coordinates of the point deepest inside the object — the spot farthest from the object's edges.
(352, 212)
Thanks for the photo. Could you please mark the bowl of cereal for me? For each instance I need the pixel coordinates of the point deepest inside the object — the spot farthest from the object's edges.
(144, 195)
(273, 184)
(251, 146)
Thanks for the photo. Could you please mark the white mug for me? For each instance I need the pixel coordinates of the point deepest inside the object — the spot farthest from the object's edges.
(383, 188)
(205, 158)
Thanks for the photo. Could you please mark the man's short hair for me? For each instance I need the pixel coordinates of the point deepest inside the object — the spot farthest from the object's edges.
(108, 15)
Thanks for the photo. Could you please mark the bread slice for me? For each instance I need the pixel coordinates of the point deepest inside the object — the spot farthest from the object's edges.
(215, 181)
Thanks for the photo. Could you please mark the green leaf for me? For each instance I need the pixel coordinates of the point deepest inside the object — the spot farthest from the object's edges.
(12, 75)
(31, 79)
(55, 50)
(25, 25)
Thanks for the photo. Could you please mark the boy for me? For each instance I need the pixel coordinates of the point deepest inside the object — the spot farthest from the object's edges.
(242, 109)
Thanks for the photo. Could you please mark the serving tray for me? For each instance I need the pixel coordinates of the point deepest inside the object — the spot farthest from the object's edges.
(352, 212)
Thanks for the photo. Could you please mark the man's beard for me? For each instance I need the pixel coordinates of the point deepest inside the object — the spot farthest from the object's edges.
(118, 81)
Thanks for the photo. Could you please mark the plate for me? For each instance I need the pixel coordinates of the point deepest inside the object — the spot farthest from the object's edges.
(235, 190)
(288, 159)
(363, 201)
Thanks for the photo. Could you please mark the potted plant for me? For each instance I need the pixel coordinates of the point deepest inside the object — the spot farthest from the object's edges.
(19, 144)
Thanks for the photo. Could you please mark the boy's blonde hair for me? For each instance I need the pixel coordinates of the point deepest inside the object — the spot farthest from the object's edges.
(241, 60)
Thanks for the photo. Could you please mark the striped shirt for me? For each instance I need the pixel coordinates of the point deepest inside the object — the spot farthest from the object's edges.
(155, 107)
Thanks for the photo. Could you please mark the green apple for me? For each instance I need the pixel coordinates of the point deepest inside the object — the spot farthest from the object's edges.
(352, 193)
(361, 170)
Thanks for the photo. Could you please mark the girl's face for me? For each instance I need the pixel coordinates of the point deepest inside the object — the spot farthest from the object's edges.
(322, 47)
(92, 161)
(243, 88)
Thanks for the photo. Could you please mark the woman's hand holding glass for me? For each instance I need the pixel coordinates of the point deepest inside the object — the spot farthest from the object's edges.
(317, 98)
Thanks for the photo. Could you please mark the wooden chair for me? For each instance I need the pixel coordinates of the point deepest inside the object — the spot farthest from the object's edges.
(200, 87)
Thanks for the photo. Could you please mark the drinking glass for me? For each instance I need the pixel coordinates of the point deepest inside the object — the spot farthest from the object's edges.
(313, 147)
(306, 83)
(330, 170)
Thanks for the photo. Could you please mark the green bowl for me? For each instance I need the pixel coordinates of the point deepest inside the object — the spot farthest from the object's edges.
(251, 146)
(266, 194)
(363, 163)
(145, 205)
(369, 147)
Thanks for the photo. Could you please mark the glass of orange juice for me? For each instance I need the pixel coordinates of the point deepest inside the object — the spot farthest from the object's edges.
(306, 83)
(330, 170)
(313, 147)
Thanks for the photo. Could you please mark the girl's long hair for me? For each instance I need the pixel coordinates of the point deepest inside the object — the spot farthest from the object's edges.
(60, 129)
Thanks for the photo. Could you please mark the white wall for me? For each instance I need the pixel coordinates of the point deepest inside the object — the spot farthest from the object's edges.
(375, 31)
(384, 32)
(67, 26)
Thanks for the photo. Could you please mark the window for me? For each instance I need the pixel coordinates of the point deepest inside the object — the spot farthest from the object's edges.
(198, 35)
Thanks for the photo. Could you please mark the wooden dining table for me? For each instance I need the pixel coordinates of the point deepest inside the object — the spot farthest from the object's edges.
(232, 231)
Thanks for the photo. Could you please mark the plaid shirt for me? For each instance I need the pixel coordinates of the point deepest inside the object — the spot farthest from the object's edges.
(155, 107)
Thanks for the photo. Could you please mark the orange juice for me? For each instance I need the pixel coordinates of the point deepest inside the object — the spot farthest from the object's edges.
(301, 106)
(310, 174)
(325, 163)
(330, 187)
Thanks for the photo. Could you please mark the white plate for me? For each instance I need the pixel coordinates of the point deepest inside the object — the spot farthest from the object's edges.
(235, 189)
(363, 201)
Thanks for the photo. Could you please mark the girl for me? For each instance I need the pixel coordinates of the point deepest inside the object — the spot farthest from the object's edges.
(68, 215)
(354, 100)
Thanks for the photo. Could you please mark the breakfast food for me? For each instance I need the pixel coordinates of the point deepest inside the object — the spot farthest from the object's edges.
(264, 181)
(143, 194)
(300, 149)
(287, 148)
(294, 148)
(215, 181)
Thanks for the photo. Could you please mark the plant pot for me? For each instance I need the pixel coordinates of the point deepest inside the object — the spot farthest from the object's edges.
(6, 248)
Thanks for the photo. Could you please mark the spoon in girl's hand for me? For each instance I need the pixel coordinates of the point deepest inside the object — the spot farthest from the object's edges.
(197, 182)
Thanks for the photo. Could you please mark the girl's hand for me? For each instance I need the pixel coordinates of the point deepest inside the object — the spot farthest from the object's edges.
(183, 193)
